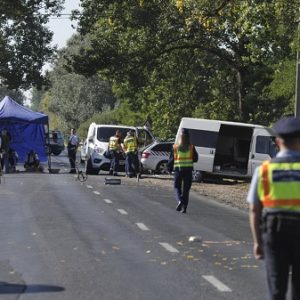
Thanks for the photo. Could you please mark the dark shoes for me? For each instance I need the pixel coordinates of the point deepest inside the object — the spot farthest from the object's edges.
(111, 172)
(183, 211)
(179, 206)
(115, 174)
(72, 171)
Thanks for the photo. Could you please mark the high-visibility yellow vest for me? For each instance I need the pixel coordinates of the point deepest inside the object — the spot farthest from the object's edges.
(113, 143)
(130, 144)
(279, 185)
(183, 159)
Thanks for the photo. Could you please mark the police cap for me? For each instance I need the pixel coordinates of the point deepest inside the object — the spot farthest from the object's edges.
(287, 126)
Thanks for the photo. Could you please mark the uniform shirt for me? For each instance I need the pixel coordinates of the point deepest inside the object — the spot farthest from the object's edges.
(252, 197)
(74, 140)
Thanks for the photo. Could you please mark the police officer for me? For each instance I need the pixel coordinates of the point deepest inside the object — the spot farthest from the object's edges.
(72, 149)
(131, 152)
(274, 199)
(181, 160)
(114, 148)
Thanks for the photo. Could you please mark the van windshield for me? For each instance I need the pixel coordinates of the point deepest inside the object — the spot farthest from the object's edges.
(104, 133)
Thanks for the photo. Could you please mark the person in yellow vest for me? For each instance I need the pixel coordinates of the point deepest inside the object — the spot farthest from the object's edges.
(131, 152)
(114, 149)
(274, 211)
(181, 160)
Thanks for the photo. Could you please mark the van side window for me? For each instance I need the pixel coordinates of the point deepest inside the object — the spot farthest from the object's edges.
(203, 138)
(266, 145)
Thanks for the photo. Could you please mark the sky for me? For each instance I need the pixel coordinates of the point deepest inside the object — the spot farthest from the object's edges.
(62, 30)
(62, 26)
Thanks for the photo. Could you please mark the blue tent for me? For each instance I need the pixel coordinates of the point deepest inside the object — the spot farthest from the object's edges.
(26, 128)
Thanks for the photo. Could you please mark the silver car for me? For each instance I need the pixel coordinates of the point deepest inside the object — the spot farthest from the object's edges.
(155, 157)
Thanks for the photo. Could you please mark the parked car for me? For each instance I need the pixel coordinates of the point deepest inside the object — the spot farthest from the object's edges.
(155, 157)
(97, 142)
(56, 142)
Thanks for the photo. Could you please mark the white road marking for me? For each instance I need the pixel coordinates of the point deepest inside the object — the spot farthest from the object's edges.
(122, 211)
(107, 201)
(142, 226)
(169, 247)
(217, 283)
(96, 192)
(89, 186)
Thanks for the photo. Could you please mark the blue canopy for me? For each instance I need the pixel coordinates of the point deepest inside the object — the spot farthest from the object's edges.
(26, 128)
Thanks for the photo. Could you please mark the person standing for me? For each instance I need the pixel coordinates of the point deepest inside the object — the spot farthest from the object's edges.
(5, 141)
(114, 149)
(274, 211)
(181, 160)
(131, 151)
(72, 149)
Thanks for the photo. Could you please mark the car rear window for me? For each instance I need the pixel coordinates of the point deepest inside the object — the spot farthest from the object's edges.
(104, 133)
(163, 147)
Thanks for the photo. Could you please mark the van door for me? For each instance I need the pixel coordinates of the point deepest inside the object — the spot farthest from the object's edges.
(263, 148)
(205, 141)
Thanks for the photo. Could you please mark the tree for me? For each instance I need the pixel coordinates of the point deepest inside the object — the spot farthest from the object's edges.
(228, 48)
(17, 95)
(25, 40)
(75, 98)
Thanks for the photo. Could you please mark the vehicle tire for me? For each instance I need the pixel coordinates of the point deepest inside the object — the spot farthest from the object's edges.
(89, 168)
(198, 176)
(162, 167)
(56, 153)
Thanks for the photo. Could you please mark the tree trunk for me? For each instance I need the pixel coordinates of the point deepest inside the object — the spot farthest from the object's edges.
(239, 94)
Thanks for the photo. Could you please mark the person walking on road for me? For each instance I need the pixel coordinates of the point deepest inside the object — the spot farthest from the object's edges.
(131, 151)
(115, 149)
(181, 160)
(72, 149)
(274, 211)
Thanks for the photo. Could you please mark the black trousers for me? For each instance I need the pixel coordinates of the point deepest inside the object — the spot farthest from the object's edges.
(281, 240)
(72, 158)
(182, 185)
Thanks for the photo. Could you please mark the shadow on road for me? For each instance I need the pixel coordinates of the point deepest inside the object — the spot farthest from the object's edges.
(13, 288)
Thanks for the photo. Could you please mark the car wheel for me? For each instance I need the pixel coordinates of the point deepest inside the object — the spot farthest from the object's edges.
(162, 167)
(89, 168)
(56, 152)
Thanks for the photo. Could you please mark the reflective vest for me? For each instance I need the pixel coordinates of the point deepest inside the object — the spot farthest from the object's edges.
(183, 159)
(130, 144)
(279, 184)
(113, 143)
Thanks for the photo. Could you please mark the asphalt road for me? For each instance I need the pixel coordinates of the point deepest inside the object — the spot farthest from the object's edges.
(62, 239)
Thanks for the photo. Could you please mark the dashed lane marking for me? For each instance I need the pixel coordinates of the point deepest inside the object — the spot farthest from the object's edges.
(122, 211)
(96, 192)
(89, 186)
(107, 201)
(142, 226)
(169, 247)
(217, 283)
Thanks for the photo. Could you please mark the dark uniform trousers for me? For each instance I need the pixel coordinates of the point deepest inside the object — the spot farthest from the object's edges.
(132, 163)
(281, 241)
(114, 164)
(72, 157)
(182, 184)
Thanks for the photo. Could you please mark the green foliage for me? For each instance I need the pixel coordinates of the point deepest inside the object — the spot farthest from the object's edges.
(25, 40)
(75, 98)
(17, 95)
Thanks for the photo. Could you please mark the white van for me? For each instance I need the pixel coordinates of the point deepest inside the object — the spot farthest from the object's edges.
(97, 142)
(228, 149)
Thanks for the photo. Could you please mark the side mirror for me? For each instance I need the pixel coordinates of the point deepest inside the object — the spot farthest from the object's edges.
(90, 139)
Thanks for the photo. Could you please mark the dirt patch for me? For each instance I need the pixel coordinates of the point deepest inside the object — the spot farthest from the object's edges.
(229, 192)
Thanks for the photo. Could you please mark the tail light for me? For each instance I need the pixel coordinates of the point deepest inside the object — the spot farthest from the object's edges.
(146, 155)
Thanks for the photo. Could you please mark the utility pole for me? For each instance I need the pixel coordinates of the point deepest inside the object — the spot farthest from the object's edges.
(297, 86)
